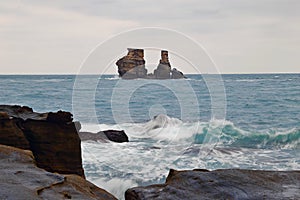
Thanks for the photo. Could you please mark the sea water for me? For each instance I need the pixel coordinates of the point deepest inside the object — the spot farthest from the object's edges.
(177, 124)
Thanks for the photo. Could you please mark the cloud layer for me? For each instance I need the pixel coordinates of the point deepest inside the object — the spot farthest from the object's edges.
(241, 36)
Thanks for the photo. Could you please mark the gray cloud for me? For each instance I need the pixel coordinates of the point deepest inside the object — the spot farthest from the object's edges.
(241, 36)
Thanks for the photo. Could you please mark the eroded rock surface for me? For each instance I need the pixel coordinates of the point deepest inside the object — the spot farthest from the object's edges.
(20, 179)
(52, 137)
(222, 184)
(132, 66)
(105, 136)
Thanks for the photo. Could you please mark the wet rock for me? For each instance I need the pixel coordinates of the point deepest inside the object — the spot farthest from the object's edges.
(20, 178)
(98, 137)
(105, 136)
(116, 136)
(52, 137)
(222, 184)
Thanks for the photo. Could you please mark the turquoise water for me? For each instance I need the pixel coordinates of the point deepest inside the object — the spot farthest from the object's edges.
(237, 121)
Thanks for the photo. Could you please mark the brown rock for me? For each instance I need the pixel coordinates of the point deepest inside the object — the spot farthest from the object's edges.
(21, 179)
(55, 146)
(10, 132)
(132, 65)
(222, 184)
(52, 137)
(105, 136)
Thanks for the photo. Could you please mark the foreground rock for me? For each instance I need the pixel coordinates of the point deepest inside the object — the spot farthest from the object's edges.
(222, 184)
(52, 137)
(20, 179)
(105, 136)
(132, 66)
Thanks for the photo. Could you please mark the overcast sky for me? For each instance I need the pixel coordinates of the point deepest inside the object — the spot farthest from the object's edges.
(241, 36)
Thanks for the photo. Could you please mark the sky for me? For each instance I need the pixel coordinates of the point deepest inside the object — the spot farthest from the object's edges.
(240, 36)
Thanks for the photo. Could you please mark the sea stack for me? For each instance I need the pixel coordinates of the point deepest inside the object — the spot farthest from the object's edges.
(132, 66)
(163, 70)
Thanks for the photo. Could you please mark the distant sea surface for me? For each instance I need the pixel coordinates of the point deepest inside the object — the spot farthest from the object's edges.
(172, 123)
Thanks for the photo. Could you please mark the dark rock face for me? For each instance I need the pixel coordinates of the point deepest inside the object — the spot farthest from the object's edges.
(105, 136)
(52, 137)
(20, 178)
(10, 132)
(222, 184)
(116, 136)
(132, 66)
(55, 146)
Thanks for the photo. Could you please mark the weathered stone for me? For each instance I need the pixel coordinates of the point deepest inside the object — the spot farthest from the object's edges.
(10, 132)
(99, 137)
(55, 146)
(132, 65)
(105, 136)
(52, 137)
(21, 179)
(222, 184)
(116, 136)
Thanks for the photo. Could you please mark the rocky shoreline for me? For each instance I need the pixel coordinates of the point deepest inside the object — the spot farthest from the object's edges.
(41, 159)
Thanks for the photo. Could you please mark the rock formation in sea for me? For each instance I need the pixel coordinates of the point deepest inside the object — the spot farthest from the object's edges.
(222, 184)
(105, 136)
(132, 66)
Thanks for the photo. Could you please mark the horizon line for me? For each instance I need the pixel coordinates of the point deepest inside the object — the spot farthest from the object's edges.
(227, 73)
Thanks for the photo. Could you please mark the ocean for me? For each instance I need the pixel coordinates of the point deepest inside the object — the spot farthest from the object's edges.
(248, 121)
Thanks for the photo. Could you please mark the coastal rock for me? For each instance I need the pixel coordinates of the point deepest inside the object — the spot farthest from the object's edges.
(116, 136)
(20, 178)
(10, 132)
(52, 137)
(98, 137)
(132, 65)
(55, 146)
(104, 136)
(222, 184)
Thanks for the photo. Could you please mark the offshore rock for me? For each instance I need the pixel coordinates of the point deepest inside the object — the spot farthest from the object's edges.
(20, 178)
(132, 66)
(222, 184)
(105, 136)
(116, 136)
(52, 137)
(163, 70)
